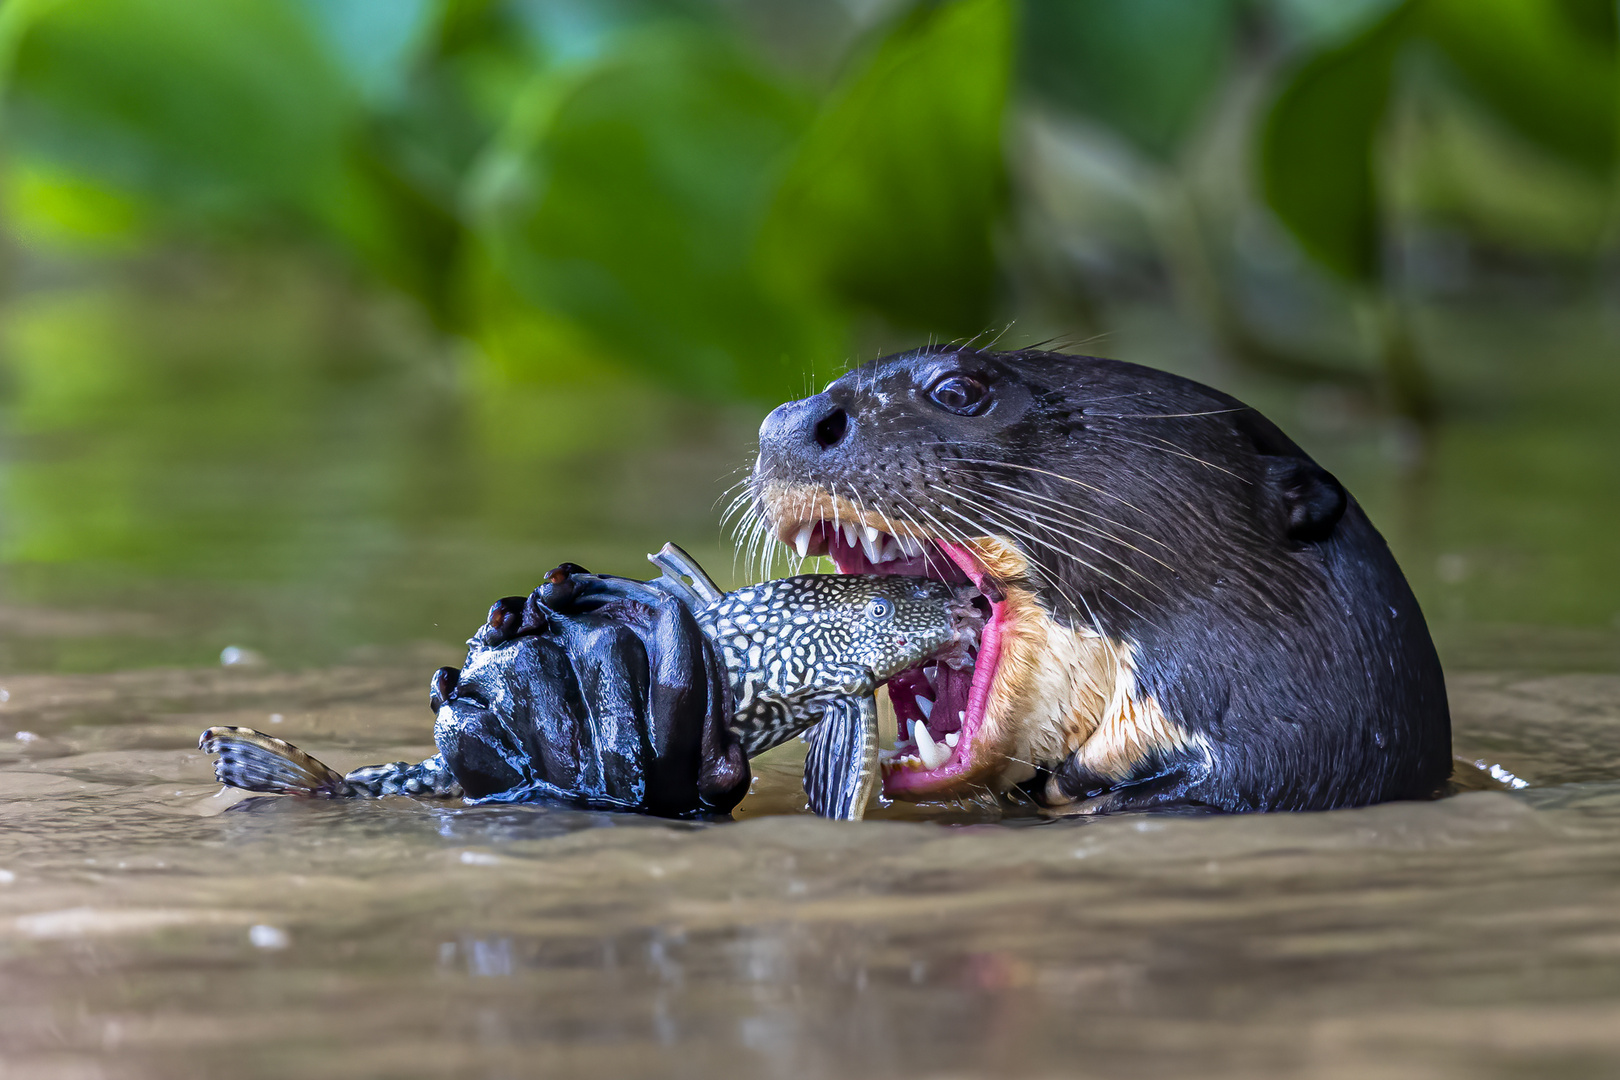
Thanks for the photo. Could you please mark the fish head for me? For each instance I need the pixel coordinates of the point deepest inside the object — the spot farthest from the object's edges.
(855, 629)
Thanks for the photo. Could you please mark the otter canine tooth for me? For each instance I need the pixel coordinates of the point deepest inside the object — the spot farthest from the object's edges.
(851, 531)
(933, 755)
(925, 706)
(871, 548)
(871, 533)
(802, 540)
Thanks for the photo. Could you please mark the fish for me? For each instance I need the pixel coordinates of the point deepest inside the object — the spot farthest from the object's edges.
(802, 655)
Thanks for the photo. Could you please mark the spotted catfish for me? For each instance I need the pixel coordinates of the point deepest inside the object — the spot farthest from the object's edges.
(793, 655)
(809, 652)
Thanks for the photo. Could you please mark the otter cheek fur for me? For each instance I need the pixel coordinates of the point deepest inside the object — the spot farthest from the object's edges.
(1186, 610)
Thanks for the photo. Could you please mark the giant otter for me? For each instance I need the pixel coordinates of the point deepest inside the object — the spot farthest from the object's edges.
(1188, 610)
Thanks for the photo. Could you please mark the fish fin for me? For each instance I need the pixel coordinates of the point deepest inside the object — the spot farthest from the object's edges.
(254, 761)
(677, 565)
(840, 770)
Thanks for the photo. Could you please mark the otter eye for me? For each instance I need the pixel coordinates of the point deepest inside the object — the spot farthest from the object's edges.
(960, 394)
(878, 609)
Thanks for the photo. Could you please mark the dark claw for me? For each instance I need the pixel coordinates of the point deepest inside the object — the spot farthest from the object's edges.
(504, 621)
(559, 587)
(442, 686)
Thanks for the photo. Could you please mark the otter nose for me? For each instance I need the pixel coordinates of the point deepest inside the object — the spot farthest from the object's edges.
(804, 430)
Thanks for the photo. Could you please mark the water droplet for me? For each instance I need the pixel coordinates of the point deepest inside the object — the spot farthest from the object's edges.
(264, 936)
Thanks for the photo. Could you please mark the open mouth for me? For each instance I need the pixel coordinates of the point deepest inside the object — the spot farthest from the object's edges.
(940, 706)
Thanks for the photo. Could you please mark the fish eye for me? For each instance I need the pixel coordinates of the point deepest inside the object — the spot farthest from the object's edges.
(878, 609)
(964, 395)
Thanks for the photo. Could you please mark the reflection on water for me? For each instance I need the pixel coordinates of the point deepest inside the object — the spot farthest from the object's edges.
(346, 513)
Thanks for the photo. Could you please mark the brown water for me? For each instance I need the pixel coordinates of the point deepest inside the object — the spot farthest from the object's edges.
(348, 524)
(151, 927)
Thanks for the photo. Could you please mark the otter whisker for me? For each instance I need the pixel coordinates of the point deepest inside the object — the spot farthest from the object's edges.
(990, 512)
(1036, 567)
(1060, 522)
(1056, 476)
(1177, 415)
(928, 550)
(1149, 537)
(1071, 507)
(1168, 448)
(736, 515)
(1016, 531)
(954, 535)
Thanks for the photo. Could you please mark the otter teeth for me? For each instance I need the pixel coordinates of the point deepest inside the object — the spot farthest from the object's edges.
(925, 706)
(933, 754)
(869, 545)
(952, 738)
(878, 546)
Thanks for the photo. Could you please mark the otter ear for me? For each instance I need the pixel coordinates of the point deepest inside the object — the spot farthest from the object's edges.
(1312, 500)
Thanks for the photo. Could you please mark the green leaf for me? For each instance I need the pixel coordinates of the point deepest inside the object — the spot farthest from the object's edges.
(632, 206)
(375, 41)
(1317, 148)
(1547, 68)
(892, 198)
(210, 105)
(235, 116)
(1145, 68)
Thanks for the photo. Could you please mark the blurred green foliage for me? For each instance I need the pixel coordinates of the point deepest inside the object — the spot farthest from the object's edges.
(919, 126)
(1545, 68)
(320, 317)
(1145, 68)
(724, 194)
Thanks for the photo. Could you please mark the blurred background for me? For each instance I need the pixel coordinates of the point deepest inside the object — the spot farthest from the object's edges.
(325, 322)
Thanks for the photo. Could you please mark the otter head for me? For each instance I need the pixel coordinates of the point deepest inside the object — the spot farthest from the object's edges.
(1090, 502)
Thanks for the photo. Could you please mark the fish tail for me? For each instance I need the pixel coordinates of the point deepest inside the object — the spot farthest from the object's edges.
(254, 761)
